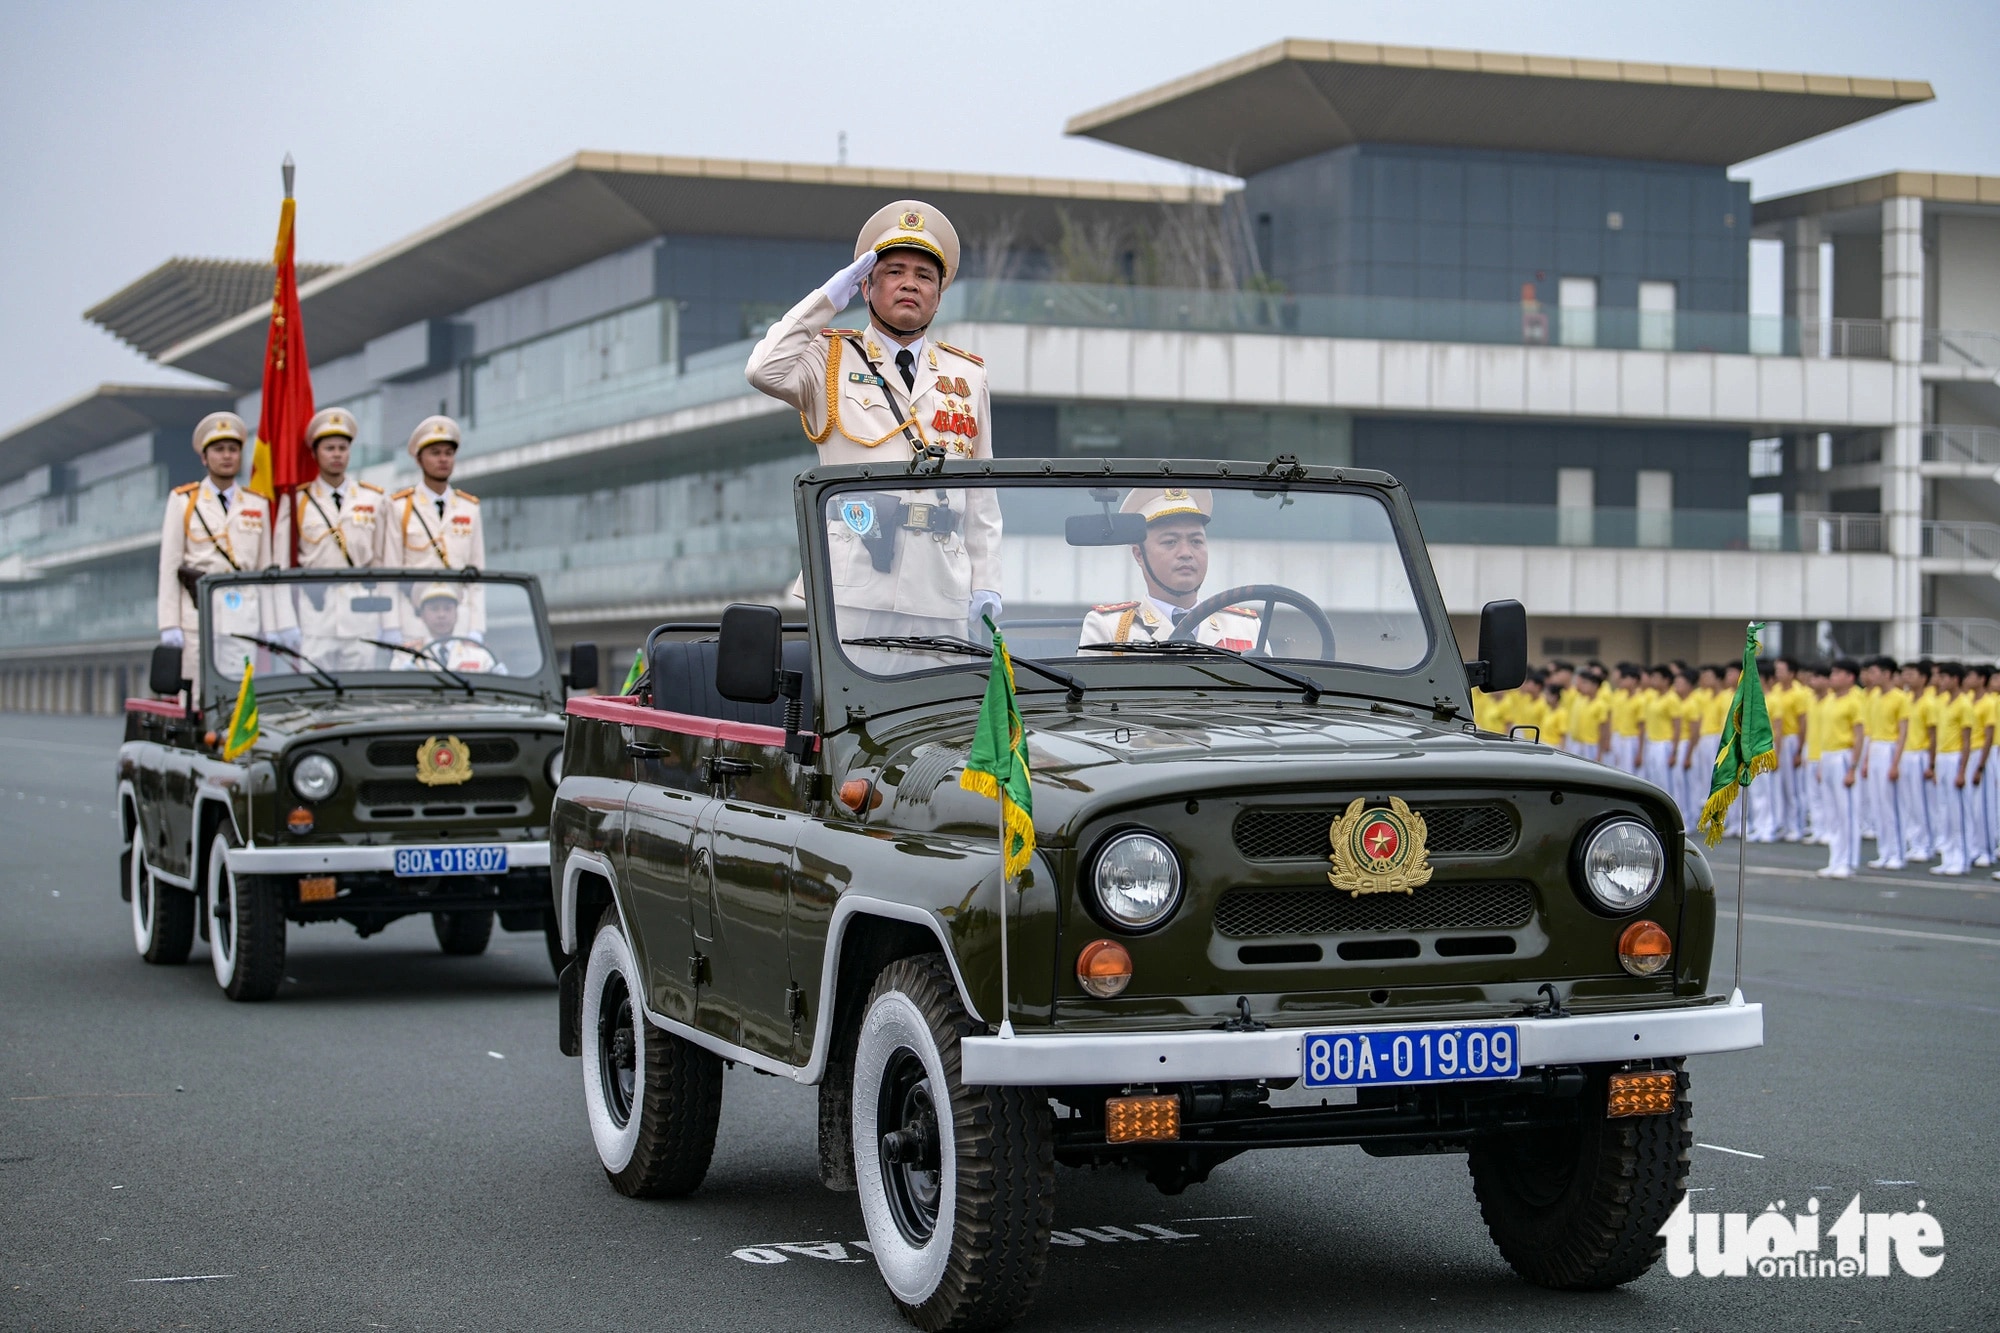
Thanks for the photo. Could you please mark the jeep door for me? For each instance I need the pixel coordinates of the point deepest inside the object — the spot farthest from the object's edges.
(742, 876)
(662, 810)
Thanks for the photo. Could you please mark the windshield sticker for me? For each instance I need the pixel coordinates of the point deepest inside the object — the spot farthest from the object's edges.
(233, 599)
(859, 515)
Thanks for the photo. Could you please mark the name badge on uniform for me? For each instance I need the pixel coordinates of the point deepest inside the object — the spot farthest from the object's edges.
(859, 515)
(856, 377)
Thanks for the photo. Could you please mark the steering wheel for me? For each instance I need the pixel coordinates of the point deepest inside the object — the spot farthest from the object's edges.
(1271, 595)
(456, 638)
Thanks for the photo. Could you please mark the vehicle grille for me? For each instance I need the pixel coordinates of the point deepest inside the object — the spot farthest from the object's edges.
(475, 791)
(1278, 834)
(1478, 905)
(403, 753)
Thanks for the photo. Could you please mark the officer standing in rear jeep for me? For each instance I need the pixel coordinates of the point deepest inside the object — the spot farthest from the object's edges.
(905, 562)
(433, 526)
(213, 526)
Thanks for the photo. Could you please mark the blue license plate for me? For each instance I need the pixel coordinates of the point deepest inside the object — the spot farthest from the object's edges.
(412, 861)
(1442, 1054)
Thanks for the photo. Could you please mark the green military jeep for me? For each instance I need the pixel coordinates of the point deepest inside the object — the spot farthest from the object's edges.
(409, 746)
(1283, 892)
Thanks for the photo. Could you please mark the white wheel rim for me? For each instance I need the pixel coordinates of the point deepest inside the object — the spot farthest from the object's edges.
(913, 1272)
(143, 911)
(222, 951)
(611, 956)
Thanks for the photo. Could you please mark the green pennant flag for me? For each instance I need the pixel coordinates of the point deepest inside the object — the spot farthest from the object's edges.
(1747, 745)
(998, 764)
(638, 670)
(243, 729)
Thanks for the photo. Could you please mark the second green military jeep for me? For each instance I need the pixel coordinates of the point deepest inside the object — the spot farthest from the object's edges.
(1283, 893)
(408, 746)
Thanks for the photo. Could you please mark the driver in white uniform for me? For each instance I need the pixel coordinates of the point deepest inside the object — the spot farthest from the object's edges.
(437, 607)
(1173, 560)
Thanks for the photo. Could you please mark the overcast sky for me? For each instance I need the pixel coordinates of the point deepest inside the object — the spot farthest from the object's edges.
(133, 132)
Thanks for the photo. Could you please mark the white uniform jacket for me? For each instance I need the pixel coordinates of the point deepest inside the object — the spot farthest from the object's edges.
(200, 534)
(845, 409)
(343, 535)
(1233, 627)
(418, 537)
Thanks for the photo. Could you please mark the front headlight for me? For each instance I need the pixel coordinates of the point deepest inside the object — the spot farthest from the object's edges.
(1623, 863)
(315, 777)
(552, 768)
(1137, 881)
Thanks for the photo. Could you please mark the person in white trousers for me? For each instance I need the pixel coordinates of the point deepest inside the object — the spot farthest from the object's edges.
(1841, 738)
(1951, 739)
(1913, 779)
(1886, 724)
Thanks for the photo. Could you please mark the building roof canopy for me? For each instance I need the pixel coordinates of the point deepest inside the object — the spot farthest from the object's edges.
(182, 297)
(1297, 98)
(595, 204)
(104, 416)
(1945, 191)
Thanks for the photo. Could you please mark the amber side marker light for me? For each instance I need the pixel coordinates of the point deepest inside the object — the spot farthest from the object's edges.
(1644, 949)
(1104, 968)
(316, 889)
(1641, 1093)
(859, 795)
(1150, 1119)
(300, 820)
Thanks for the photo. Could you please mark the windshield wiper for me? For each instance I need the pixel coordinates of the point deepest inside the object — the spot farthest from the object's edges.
(427, 660)
(950, 643)
(332, 681)
(1190, 648)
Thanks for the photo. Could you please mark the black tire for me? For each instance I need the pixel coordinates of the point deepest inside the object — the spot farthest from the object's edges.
(653, 1099)
(963, 1246)
(246, 935)
(463, 934)
(162, 915)
(1579, 1208)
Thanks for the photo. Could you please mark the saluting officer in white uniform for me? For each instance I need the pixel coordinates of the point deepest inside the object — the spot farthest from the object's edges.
(213, 526)
(435, 526)
(1173, 561)
(907, 561)
(340, 521)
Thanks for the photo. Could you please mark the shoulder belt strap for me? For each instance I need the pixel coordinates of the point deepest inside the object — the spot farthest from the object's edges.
(410, 507)
(906, 418)
(339, 537)
(220, 543)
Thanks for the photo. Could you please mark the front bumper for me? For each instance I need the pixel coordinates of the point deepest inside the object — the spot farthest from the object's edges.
(335, 860)
(1209, 1057)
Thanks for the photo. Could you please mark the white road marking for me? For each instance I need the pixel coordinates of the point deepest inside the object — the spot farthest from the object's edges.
(1733, 1152)
(496, 1055)
(833, 1251)
(1233, 1217)
(197, 1277)
(1873, 930)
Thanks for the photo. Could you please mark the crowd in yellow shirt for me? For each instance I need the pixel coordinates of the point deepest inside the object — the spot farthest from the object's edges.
(1897, 753)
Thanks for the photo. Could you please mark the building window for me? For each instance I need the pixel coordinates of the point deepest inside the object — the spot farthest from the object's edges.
(1656, 316)
(1656, 508)
(1576, 506)
(1576, 308)
(1767, 522)
(1767, 457)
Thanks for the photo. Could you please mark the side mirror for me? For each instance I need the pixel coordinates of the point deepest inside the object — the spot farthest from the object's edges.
(163, 675)
(749, 654)
(582, 667)
(1503, 647)
(1104, 530)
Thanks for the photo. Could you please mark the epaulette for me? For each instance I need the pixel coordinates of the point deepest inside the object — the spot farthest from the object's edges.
(960, 351)
(840, 333)
(1241, 611)
(188, 489)
(407, 490)
(467, 497)
(1116, 606)
(369, 486)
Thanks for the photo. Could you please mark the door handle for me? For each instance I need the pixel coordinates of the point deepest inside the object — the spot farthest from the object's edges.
(644, 750)
(724, 769)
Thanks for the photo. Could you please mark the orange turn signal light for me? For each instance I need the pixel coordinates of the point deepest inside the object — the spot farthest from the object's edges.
(300, 820)
(1643, 1092)
(1104, 968)
(1154, 1118)
(1644, 949)
(859, 795)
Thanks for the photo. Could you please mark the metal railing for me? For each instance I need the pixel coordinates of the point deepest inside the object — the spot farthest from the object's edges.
(1966, 637)
(1962, 347)
(1977, 446)
(1976, 542)
(1667, 529)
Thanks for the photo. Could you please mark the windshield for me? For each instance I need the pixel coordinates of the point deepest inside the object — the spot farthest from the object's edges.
(434, 623)
(1085, 571)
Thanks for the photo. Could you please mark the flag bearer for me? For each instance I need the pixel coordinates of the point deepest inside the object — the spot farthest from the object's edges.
(341, 521)
(1841, 735)
(213, 526)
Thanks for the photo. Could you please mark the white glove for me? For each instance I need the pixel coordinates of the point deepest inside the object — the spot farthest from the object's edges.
(290, 637)
(844, 286)
(172, 638)
(984, 603)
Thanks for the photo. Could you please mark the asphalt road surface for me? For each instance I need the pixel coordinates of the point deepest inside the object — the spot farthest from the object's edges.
(395, 1142)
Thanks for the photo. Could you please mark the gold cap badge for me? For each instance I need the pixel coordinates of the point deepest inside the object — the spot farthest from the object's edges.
(1379, 851)
(443, 763)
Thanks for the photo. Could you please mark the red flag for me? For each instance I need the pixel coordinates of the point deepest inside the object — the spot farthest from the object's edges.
(282, 462)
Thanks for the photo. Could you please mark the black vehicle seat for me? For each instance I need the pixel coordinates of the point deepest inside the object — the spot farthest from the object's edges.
(683, 678)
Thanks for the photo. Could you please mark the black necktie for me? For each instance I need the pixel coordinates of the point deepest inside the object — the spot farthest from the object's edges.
(440, 506)
(222, 498)
(1180, 614)
(336, 501)
(906, 362)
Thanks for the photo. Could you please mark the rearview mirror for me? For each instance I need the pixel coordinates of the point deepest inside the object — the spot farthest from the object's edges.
(582, 666)
(1104, 529)
(163, 676)
(749, 653)
(1503, 647)
(366, 605)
